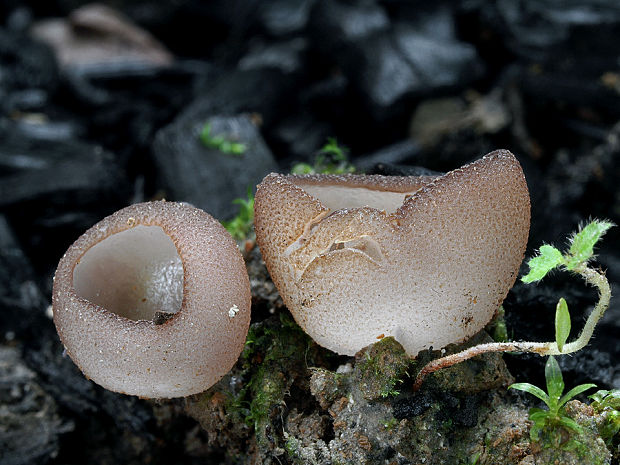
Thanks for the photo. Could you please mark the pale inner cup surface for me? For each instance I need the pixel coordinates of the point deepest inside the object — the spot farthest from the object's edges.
(339, 197)
(134, 273)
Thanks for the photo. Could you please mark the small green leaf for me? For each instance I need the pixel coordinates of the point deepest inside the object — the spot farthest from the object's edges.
(555, 383)
(534, 390)
(599, 395)
(220, 143)
(538, 414)
(205, 134)
(582, 243)
(562, 323)
(241, 225)
(549, 257)
(575, 392)
(569, 423)
(604, 399)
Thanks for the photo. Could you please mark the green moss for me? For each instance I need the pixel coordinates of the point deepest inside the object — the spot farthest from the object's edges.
(275, 351)
(292, 446)
(241, 225)
(220, 142)
(389, 424)
(380, 368)
(331, 159)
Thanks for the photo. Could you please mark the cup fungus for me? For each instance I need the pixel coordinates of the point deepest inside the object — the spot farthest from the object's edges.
(427, 260)
(153, 301)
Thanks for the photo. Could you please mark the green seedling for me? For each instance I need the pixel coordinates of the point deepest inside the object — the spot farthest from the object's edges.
(220, 142)
(241, 225)
(575, 260)
(554, 417)
(608, 403)
(602, 400)
(331, 159)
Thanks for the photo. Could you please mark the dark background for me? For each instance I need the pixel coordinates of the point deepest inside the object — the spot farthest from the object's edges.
(399, 83)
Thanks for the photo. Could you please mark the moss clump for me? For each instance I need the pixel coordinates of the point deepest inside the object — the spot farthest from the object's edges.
(275, 351)
(380, 368)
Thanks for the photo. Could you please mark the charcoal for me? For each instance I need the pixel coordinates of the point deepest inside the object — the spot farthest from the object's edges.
(540, 29)
(284, 17)
(264, 91)
(205, 176)
(26, 65)
(300, 137)
(389, 67)
(22, 304)
(437, 60)
(55, 172)
(26, 100)
(49, 131)
(342, 24)
(379, 162)
(286, 56)
(30, 425)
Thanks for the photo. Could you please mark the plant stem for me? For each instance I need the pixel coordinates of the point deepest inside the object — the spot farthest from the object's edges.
(594, 277)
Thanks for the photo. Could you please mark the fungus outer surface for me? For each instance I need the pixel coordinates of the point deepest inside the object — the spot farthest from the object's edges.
(430, 270)
(146, 259)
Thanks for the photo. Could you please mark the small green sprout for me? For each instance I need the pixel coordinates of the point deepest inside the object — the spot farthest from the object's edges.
(604, 399)
(331, 159)
(608, 403)
(581, 251)
(220, 142)
(473, 460)
(555, 416)
(575, 260)
(241, 225)
(390, 424)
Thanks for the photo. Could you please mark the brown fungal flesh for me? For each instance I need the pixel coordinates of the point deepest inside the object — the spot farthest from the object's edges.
(148, 263)
(427, 260)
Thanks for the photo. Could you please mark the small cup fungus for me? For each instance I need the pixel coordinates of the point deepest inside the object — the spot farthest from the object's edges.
(153, 301)
(427, 260)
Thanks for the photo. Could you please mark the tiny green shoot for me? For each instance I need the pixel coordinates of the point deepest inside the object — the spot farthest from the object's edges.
(331, 159)
(562, 323)
(604, 399)
(554, 416)
(241, 225)
(580, 252)
(608, 403)
(220, 142)
(575, 260)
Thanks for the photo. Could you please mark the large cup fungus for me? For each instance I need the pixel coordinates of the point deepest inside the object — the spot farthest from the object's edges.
(153, 300)
(427, 260)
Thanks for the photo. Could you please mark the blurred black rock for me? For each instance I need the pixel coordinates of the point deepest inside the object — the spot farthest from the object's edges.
(208, 177)
(29, 422)
(389, 64)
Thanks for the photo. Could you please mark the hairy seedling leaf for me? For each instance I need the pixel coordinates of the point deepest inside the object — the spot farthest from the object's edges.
(549, 258)
(582, 244)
